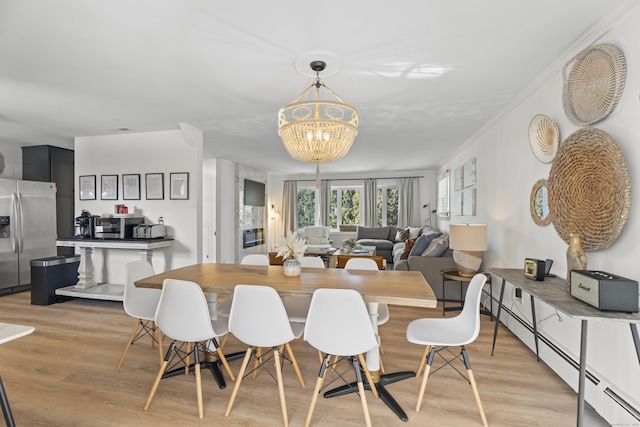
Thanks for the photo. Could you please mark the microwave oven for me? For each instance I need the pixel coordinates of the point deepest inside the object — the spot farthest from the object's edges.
(116, 227)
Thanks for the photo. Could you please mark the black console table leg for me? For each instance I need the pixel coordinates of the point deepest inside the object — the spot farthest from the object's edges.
(495, 329)
(636, 338)
(535, 326)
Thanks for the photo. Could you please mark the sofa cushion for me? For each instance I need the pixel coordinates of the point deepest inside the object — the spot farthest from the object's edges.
(408, 245)
(381, 233)
(421, 244)
(437, 246)
(380, 244)
(414, 232)
(316, 240)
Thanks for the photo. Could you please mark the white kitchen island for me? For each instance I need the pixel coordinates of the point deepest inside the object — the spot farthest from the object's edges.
(87, 286)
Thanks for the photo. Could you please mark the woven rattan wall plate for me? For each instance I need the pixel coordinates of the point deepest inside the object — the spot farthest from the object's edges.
(544, 138)
(539, 202)
(589, 189)
(594, 84)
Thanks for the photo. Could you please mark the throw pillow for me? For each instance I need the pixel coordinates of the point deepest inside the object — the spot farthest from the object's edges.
(421, 244)
(437, 246)
(402, 235)
(407, 248)
(414, 232)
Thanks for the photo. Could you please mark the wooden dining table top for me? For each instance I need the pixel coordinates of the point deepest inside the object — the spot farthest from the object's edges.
(382, 286)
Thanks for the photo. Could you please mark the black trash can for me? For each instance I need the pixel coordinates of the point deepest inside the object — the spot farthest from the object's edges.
(49, 274)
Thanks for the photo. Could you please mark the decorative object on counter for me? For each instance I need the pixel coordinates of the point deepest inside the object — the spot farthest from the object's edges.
(576, 257)
(349, 243)
(468, 242)
(292, 249)
(109, 187)
(544, 138)
(154, 186)
(131, 186)
(589, 189)
(87, 187)
(539, 203)
(594, 85)
(179, 186)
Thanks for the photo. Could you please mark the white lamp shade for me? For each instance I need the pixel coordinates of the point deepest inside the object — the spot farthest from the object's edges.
(468, 237)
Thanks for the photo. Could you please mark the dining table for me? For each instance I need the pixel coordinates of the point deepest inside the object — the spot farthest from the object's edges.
(405, 288)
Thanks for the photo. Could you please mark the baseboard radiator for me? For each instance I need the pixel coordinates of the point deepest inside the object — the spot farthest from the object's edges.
(614, 400)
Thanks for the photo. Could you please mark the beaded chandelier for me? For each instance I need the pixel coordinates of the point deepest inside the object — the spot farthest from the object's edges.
(317, 131)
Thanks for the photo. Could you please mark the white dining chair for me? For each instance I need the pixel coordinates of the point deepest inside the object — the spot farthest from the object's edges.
(357, 263)
(183, 316)
(455, 331)
(224, 307)
(339, 326)
(141, 304)
(259, 320)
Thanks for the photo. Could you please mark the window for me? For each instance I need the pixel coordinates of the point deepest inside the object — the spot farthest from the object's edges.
(387, 205)
(443, 194)
(306, 207)
(344, 207)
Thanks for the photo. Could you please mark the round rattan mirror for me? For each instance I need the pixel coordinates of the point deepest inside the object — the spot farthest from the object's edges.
(539, 203)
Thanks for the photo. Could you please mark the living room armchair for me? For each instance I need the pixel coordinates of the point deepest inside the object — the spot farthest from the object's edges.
(317, 238)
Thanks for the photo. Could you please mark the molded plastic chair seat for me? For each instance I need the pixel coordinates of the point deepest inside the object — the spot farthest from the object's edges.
(456, 331)
(258, 319)
(141, 304)
(338, 324)
(183, 315)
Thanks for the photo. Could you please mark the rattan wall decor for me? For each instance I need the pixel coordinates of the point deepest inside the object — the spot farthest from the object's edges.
(589, 189)
(544, 138)
(594, 84)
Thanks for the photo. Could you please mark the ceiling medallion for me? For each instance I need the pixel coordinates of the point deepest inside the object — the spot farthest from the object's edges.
(317, 131)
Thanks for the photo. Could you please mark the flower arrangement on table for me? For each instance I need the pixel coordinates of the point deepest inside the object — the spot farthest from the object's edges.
(293, 247)
(350, 243)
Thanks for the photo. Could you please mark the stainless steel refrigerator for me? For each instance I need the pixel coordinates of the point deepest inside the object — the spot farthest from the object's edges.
(27, 229)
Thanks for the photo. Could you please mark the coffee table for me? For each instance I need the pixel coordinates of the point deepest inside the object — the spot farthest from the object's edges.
(341, 256)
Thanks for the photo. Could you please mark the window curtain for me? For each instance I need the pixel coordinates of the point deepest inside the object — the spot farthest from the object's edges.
(325, 202)
(290, 206)
(369, 212)
(408, 202)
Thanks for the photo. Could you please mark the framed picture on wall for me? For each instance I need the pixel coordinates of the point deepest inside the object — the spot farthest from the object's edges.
(87, 187)
(109, 187)
(154, 186)
(131, 186)
(179, 186)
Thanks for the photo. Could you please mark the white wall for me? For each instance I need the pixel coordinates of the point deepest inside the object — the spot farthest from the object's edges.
(140, 153)
(506, 171)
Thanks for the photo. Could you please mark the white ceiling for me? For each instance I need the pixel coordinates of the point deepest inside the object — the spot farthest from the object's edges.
(424, 75)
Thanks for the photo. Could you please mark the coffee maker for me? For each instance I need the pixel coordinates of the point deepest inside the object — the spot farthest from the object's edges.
(86, 225)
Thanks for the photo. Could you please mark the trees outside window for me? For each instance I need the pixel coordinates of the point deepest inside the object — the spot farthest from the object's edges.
(306, 207)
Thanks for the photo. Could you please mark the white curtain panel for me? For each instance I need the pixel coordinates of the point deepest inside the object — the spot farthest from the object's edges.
(369, 203)
(408, 213)
(325, 202)
(290, 206)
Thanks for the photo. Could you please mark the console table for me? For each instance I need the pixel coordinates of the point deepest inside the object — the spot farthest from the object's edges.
(87, 287)
(552, 291)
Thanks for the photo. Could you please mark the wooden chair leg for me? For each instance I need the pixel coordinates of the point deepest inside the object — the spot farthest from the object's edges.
(363, 397)
(199, 389)
(422, 360)
(160, 337)
(472, 380)
(283, 403)
(234, 393)
(423, 386)
(223, 359)
(163, 367)
(367, 374)
(257, 362)
(295, 364)
(126, 347)
(316, 390)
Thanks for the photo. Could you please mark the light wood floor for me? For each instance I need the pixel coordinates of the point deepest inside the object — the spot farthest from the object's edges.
(63, 375)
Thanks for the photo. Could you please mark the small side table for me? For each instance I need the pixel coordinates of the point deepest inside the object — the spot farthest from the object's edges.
(10, 332)
(453, 276)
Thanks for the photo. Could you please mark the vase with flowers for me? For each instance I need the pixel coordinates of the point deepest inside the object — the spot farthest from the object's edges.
(349, 243)
(292, 249)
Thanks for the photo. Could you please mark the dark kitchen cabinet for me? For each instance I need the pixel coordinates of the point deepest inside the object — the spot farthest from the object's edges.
(54, 164)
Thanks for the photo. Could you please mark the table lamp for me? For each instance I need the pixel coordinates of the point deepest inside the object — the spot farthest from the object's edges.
(468, 241)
